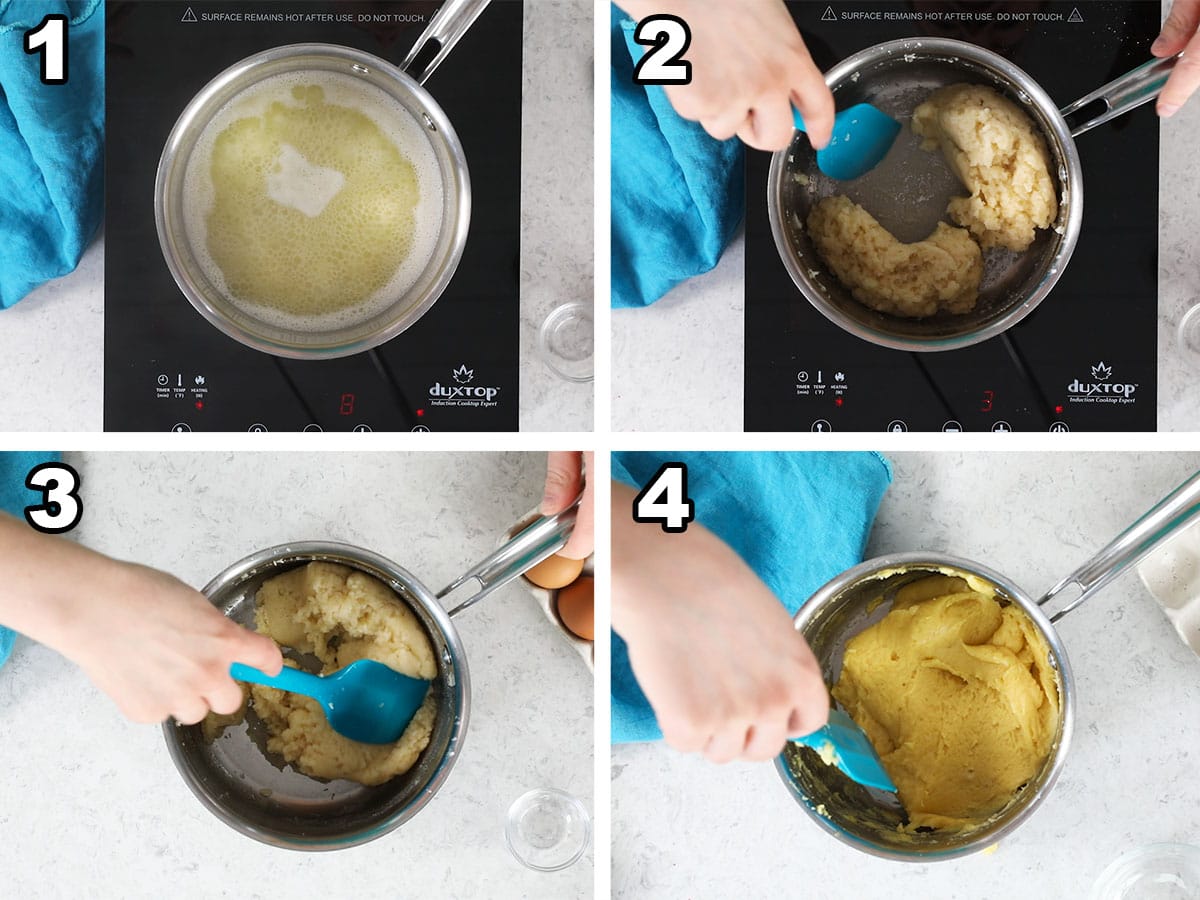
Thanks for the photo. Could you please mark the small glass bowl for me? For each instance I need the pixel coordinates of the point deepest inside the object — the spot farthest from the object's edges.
(547, 829)
(1188, 334)
(566, 341)
(1152, 872)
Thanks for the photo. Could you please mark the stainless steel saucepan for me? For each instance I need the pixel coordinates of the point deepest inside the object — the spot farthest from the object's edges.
(403, 84)
(234, 777)
(908, 192)
(869, 820)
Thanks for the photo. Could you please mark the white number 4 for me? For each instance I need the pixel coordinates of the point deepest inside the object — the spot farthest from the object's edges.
(50, 39)
(664, 499)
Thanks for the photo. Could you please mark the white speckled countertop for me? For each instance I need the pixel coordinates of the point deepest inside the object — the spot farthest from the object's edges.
(701, 322)
(683, 827)
(51, 343)
(92, 805)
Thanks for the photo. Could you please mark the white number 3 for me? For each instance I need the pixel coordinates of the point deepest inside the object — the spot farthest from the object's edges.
(50, 39)
(670, 37)
(60, 509)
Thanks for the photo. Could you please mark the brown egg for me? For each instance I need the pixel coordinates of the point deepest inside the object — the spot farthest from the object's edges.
(576, 607)
(555, 571)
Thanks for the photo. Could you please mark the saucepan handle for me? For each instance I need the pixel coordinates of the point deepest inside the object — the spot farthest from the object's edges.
(526, 549)
(1121, 95)
(443, 31)
(1177, 510)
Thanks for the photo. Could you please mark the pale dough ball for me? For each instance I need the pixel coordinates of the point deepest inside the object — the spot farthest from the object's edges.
(1000, 157)
(340, 615)
(939, 274)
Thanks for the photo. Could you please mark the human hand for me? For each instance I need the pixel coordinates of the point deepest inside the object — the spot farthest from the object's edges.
(749, 65)
(159, 648)
(714, 650)
(153, 644)
(1181, 31)
(565, 478)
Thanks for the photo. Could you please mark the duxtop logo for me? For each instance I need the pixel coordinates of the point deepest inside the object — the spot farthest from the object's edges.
(462, 392)
(1100, 389)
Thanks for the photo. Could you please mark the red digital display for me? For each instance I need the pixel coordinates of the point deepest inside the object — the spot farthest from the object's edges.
(988, 397)
(346, 408)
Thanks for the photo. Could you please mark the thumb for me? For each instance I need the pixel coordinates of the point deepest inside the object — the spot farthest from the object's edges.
(1180, 25)
(259, 651)
(564, 479)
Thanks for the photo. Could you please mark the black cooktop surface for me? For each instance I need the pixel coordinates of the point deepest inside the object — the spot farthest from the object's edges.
(167, 368)
(1097, 326)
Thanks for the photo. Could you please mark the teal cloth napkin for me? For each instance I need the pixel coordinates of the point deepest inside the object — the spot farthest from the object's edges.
(797, 519)
(14, 497)
(51, 146)
(677, 194)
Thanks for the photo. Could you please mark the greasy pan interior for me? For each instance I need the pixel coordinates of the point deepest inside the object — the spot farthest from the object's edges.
(866, 818)
(908, 193)
(264, 798)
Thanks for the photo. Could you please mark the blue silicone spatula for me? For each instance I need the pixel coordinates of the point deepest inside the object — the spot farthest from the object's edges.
(862, 137)
(843, 744)
(366, 701)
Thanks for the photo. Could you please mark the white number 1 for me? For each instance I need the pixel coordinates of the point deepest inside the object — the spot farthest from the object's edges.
(50, 39)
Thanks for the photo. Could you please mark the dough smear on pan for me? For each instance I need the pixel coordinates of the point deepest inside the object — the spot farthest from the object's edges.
(939, 274)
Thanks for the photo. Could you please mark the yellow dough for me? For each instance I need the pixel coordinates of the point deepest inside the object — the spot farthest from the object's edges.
(999, 156)
(939, 274)
(340, 615)
(956, 694)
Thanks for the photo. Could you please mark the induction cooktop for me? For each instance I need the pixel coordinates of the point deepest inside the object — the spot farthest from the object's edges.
(1086, 358)
(166, 368)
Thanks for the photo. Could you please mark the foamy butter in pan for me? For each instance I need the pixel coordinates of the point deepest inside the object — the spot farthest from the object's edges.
(313, 200)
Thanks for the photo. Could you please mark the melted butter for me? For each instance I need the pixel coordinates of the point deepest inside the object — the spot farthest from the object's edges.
(313, 206)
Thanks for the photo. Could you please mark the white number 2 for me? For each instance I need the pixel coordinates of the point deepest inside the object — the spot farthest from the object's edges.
(50, 39)
(664, 499)
(670, 37)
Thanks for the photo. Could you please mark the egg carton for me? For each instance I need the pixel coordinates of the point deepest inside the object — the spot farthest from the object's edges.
(547, 600)
(1172, 574)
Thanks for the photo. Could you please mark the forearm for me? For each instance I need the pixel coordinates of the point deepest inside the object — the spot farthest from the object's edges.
(45, 579)
(624, 532)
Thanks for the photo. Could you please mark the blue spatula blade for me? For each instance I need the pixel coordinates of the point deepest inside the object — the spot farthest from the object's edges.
(843, 744)
(862, 137)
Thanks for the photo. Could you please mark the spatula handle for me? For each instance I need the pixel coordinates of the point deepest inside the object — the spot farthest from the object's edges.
(287, 680)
